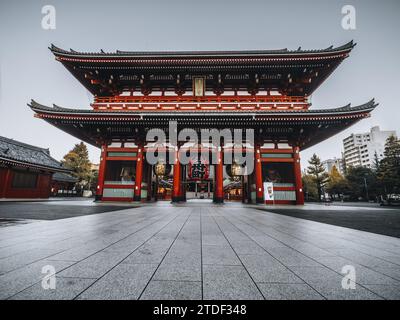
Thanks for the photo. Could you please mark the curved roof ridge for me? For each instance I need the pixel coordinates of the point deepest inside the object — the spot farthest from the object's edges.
(330, 49)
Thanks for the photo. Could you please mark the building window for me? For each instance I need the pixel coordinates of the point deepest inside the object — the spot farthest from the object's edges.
(26, 180)
(278, 172)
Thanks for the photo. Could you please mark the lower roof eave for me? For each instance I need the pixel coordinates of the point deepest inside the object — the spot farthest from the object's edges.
(92, 126)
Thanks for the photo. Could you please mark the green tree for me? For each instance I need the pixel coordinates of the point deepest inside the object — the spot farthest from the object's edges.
(78, 161)
(317, 171)
(388, 173)
(309, 187)
(94, 181)
(376, 162)
(362, 183)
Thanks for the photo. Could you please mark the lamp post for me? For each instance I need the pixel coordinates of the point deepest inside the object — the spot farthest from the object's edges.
(366, 188)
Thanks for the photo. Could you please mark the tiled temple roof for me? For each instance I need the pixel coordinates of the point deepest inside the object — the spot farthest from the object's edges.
(12, 151)
(64, 177)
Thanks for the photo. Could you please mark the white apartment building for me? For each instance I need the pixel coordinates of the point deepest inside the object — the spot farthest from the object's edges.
(335, 162)
(360, 149)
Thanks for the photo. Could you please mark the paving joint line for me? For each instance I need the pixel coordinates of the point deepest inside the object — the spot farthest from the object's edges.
(118, 263)
(9, 297)
(169, 248)
(315, 261)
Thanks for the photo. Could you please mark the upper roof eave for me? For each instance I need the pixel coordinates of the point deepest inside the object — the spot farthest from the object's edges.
(202, 54)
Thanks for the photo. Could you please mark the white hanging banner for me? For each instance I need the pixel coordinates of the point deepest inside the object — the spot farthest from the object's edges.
(269, 191)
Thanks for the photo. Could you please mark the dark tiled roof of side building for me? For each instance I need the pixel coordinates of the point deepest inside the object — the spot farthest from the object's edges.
(22, 153)
(64, 177)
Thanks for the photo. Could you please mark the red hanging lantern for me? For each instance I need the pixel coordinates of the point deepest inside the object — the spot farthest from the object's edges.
(198, 169)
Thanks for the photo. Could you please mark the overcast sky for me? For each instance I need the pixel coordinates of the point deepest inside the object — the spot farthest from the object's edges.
(28, 69)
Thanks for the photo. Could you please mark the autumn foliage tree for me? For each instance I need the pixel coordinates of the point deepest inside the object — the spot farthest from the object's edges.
(337, 185)
(78, 161)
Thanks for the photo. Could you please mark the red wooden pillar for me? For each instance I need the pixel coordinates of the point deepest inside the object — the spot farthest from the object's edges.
(219, 177)
(258, 174)
(176, 188)
(6, 185)
(139, 174)
(182, 186)
(102, 172)
(297, 176)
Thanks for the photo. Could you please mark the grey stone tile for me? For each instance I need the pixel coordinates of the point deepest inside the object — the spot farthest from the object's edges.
(176, 257)
(329, 284)
(389, 292)
(149, 236)
(172, 290)
(268, 243)
(79, 253)
(312, 251)
(179, 272)
(228, 282)
(147, 254)
(66, 289)
(363, 275)
(264, 268)
(219, 256)
(17, 280)
(212, 239)
(180, 247)
(289, 291)
(124, 282)
(362, 258)
(25, 258)
(94, 266)
(391, 272)
(247, 247)
(290, 257)
(334, 291)
(313, 275)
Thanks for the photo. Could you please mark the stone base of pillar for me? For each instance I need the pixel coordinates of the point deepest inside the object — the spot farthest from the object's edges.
(176, 199)
(218, 200)
(260, 200)
(98, 197)
(136, 197)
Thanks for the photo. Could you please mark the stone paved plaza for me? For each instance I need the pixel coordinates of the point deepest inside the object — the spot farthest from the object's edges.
(195, 251)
